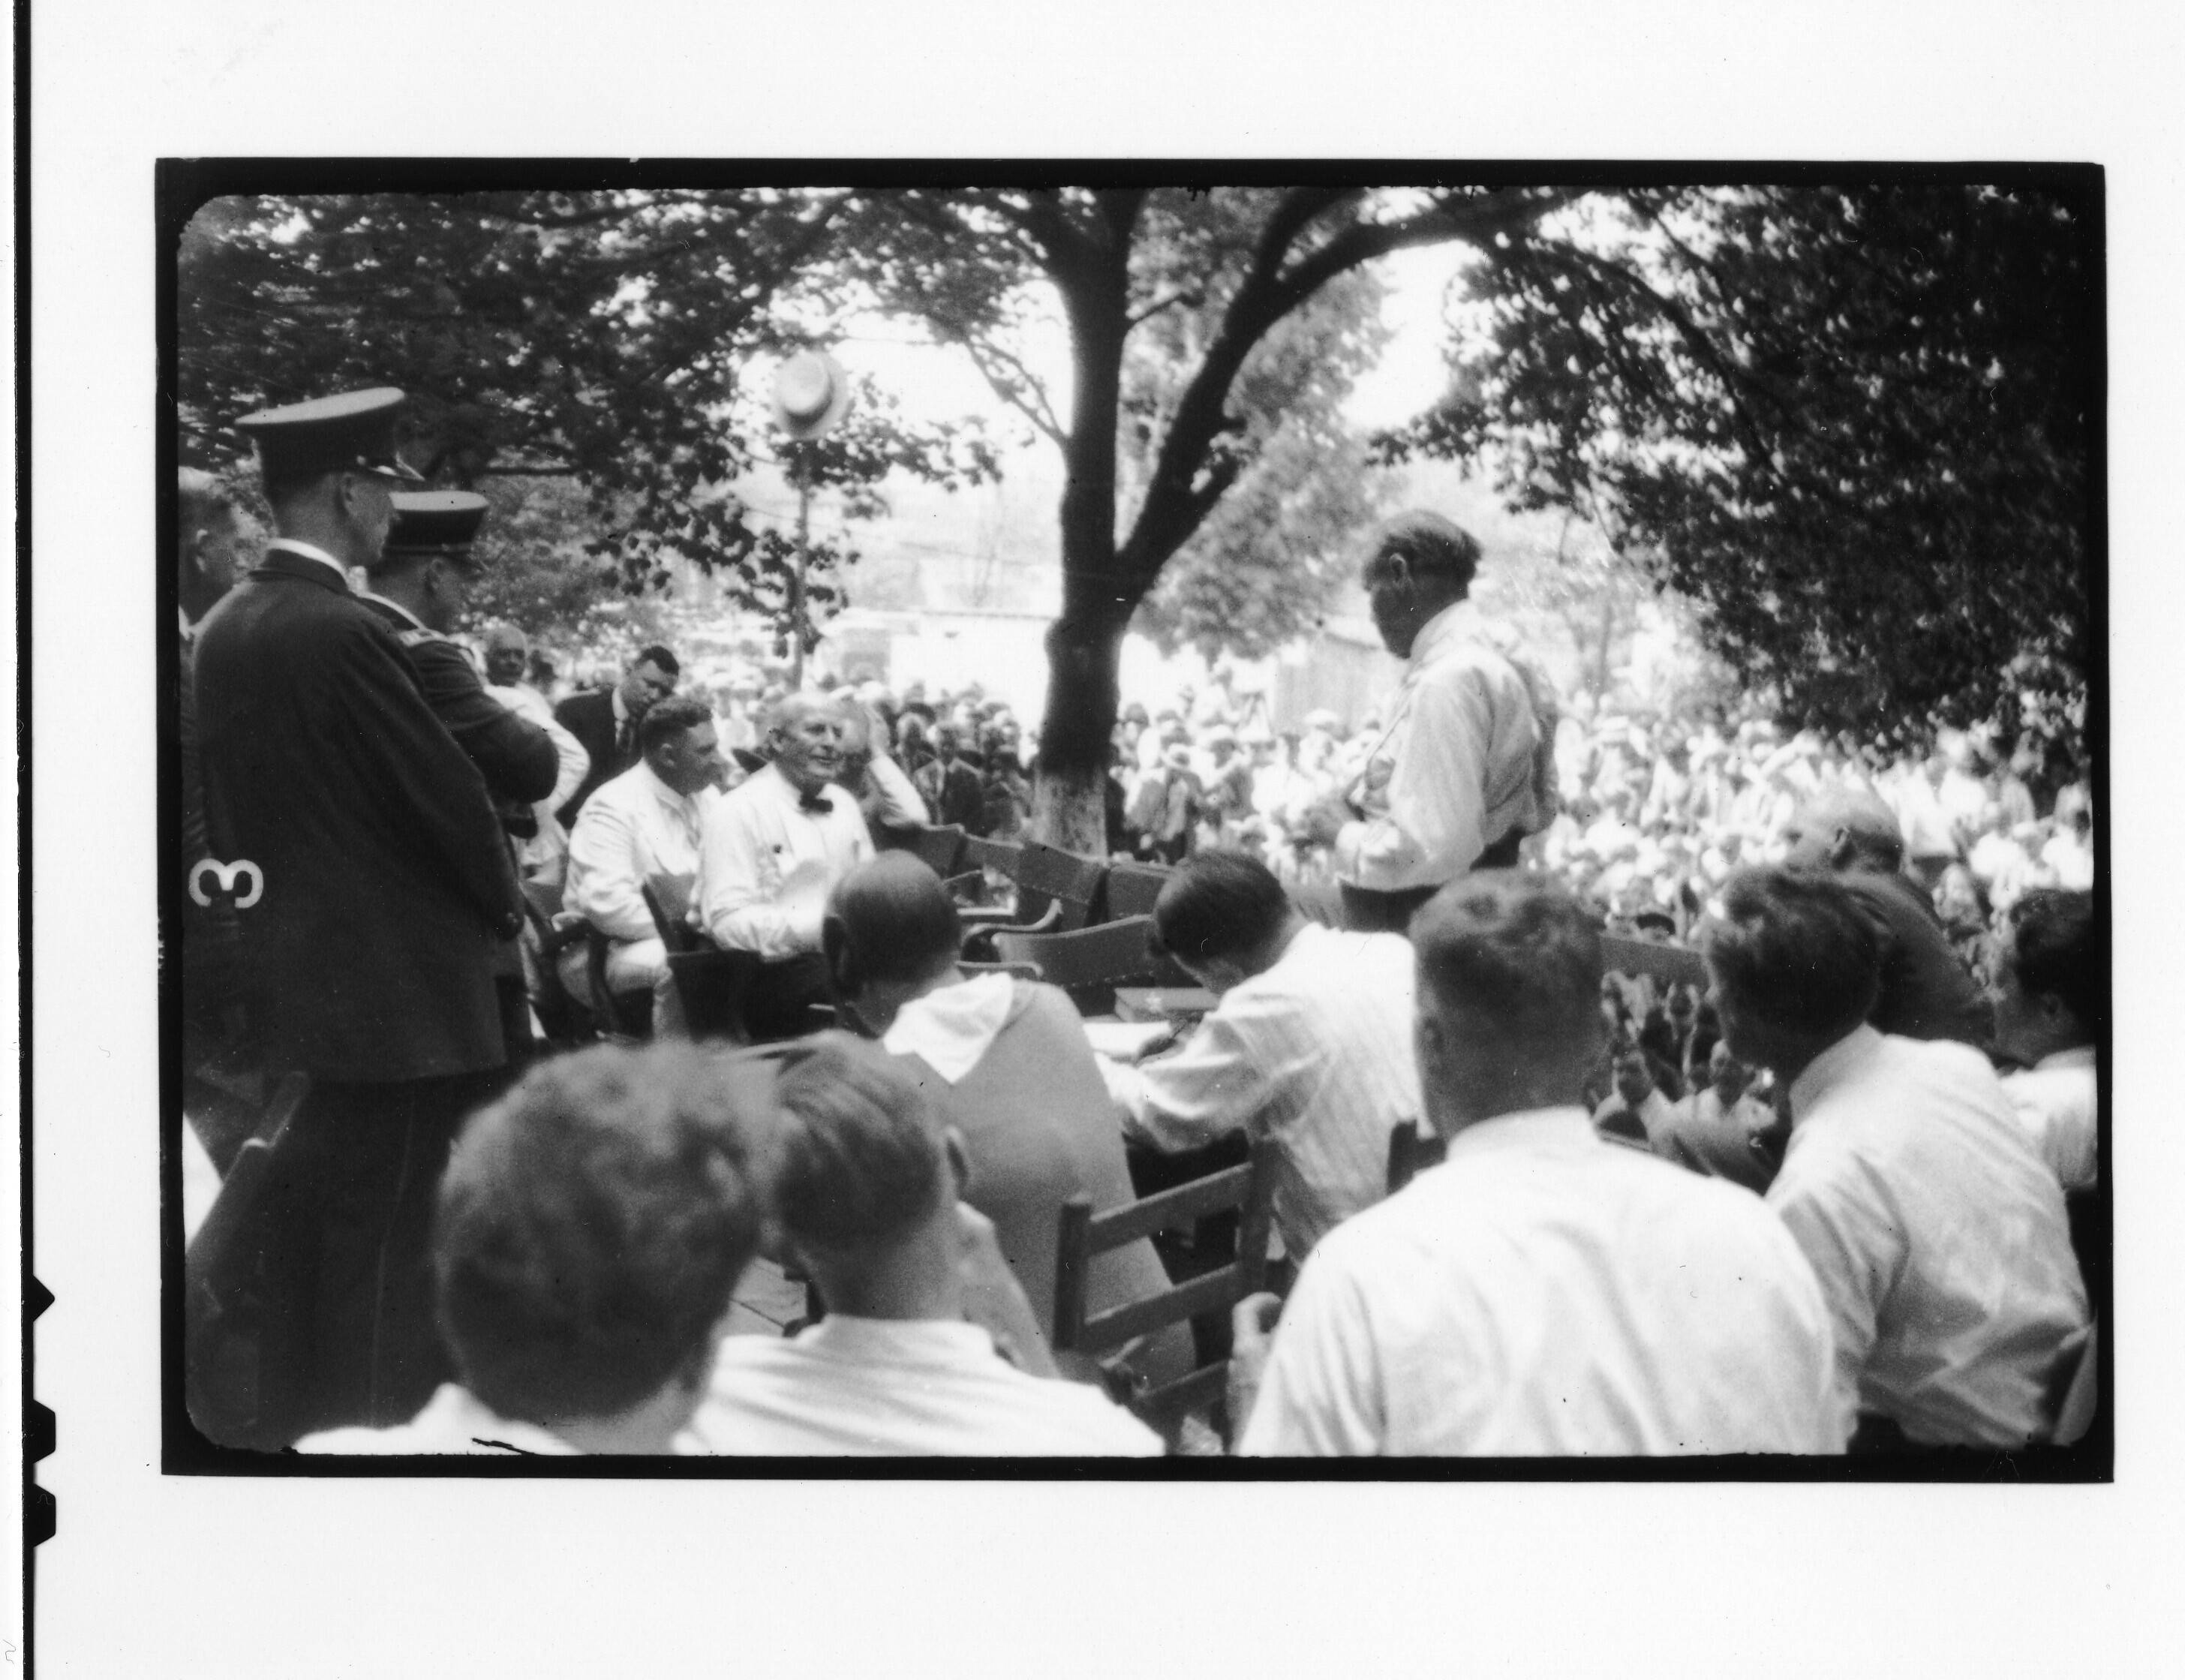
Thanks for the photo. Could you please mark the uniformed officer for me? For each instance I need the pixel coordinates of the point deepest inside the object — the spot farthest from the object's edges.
(384, 889)
(419, 586)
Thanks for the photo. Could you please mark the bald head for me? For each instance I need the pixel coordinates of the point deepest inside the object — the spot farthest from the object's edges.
(507, 655)
(808, 737)
(1841, 828)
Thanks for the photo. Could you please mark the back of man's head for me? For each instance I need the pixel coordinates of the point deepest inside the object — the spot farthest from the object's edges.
(859, 1165)
(591, 1227)
(889, 919)
(1220, 906)
(1793, 954)
(2052, 951)
(665, 719)
(1431, 546)
(1510, 971)
(1845, 828)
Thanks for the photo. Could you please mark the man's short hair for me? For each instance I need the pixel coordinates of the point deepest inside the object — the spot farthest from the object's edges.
(2052, 950)
(857, 1162)
(889, 919)
(591, 1227)
(1794, 951)
(670, 716)
(1876, 837)
(1516, 952)
(1218, 904)
(658, 655)
(1433, 545)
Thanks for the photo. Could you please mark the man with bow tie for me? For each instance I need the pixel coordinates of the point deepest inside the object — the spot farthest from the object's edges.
(773, 851)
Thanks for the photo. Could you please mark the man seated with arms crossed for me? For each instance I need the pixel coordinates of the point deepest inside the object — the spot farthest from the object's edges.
(646, 824)
(591, 1227)
(774, 849)
(1937, 1233)
(1308, 1050)
(864, 1187)
(1541, 1291)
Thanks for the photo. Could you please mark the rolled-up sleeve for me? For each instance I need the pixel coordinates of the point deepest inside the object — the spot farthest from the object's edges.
(1213, 1085)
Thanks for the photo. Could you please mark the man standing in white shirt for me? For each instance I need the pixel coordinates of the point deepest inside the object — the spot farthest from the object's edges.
(544, 856)
(1937, 1233)
(1455, 781)
(645, 825)
(1308, 1050)
(1541, 1291)
(929, 1346)
(772, 850)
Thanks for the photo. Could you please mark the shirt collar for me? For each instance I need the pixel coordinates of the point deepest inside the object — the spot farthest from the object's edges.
(310, 551)
(1832, 1067)
(1444, 628)
(396, 606)
(861, 1340)
(770, 776)
(953, 1027)
(621, 710)
(649, 779)
(1527, 1128)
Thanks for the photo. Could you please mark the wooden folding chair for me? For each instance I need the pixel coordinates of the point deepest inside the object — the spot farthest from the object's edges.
(1411, 1150)
(668, 898)
(1081, 1234)
(1088, 964)
(1047, 874)
(1130, 891)
(937, 848)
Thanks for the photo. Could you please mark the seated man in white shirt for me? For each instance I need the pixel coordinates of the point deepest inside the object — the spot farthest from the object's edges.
(1308, 1050)
(590, 1230)
(774, 849)
(1937, 1233)
(2047, 996)
(644, 826)
(928, 1346)
(1541, 1291)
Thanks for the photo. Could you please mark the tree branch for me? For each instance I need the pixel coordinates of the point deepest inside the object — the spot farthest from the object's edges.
(1025, 394)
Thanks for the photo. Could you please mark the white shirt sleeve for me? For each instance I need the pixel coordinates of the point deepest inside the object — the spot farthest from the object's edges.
(763, 881)
(1857, 1252)
(900, 807)
(608, 862)
(1430, 830)
(1321, 1395)
(1213, 1085)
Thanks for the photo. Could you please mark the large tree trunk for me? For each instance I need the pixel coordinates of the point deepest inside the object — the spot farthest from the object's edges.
(1068, 798)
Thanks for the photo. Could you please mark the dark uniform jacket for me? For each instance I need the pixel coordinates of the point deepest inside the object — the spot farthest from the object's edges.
(386, 881)
(517, 757)
(1926, 989)
(590, 716)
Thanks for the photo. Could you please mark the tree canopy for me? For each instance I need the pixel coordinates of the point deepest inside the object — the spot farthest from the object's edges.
(1851, 425)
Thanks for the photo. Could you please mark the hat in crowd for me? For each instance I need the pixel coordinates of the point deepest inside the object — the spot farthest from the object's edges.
(351, 432)
(811, 393)
(1220, 735)
(1179, 756)
(1322, 719)
(434, 521)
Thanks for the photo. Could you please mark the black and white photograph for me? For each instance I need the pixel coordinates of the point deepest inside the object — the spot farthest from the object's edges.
(1321, 819)
(1060, 865)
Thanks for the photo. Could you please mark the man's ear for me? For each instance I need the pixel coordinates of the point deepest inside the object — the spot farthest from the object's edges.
(960, 1159)
(1842, 849)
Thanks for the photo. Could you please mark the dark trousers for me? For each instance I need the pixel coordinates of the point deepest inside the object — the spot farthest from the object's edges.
(349, 1335)
(1367, 910)
(779, 998)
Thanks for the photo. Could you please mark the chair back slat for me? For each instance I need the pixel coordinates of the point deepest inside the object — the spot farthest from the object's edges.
(1132, 889)
(938, 848)
(714, 985)
(1089, 963)
(1047, 874)
(1081, 1234)
(668, 898)
(1001, 856)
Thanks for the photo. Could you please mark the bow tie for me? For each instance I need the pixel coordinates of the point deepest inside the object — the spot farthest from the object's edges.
(813, 801)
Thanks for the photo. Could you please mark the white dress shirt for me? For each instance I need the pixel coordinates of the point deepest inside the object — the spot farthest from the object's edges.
(543, 856)
(1453, 771)
(1938, 1236)
(1313, 1057)
(766, 865)
(632, 829)
(1541, 1292)
(901, 1388)
(455, 1420)
(2055, 1100)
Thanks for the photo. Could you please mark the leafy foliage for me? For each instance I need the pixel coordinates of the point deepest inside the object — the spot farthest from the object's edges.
(1851, 425)
(605, 337)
